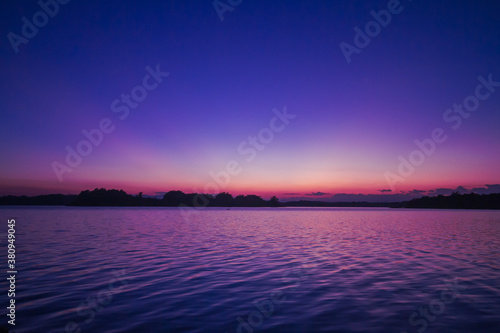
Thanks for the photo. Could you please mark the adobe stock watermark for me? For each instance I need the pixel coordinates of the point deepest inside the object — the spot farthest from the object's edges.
(29, 29)
(121, 106)
(248, 148)
(95, 303)
(221, 7)
(437, 306)
(372, 29)
(453, 116)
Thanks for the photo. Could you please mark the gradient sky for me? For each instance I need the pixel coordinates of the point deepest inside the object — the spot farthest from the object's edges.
(225, 78)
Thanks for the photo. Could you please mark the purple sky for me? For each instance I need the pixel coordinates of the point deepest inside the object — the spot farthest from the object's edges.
(229, 86)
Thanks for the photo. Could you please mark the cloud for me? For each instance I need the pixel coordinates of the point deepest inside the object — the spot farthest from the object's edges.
(384, 190)
(392, 197)
(495, 188)
(416, 192)
(490, 188)
(462, 190)
(291, 193)
(441, 191)
(317, 194)
(350, 197)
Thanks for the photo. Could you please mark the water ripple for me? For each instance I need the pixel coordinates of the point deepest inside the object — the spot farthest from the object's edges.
(256, 270)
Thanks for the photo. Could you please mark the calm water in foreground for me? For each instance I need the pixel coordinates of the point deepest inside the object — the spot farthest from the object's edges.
(254, 270)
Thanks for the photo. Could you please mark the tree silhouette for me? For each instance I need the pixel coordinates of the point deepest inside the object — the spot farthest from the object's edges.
(274, 202)
(223, 199)
(174, 198)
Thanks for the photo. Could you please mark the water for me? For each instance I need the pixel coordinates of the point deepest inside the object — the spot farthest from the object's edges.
(254, 270)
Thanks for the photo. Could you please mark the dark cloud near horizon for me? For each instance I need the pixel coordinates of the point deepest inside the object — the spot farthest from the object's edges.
(441, 191)
(397, 197)
(416, 192)
(490, 188)
(385, 190)
(350, 197)
(316, 194)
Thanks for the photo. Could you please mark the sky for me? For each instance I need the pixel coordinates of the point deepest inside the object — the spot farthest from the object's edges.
(318, 100)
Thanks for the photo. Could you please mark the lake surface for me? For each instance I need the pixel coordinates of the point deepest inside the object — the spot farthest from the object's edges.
(254, 270)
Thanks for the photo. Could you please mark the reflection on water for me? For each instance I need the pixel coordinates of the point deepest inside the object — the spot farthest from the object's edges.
(256, 270)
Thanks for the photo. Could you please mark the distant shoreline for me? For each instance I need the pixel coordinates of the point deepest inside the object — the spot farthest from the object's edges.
(119, 198)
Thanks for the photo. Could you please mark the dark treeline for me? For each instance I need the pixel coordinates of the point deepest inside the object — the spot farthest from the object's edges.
(119, 198)
(457, 201)
(103, 197)
(41, 200)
